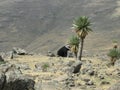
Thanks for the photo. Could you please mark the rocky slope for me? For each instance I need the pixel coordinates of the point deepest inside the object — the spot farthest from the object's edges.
(53, 73)
(40, 25)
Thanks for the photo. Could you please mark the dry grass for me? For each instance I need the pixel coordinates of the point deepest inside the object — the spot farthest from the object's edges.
(32, 60)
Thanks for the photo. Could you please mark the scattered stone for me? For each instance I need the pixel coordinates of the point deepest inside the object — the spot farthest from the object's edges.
(89, 83)
(19, 51)
(70, 82)
(90, 72)
(50, 54)
(101, 76)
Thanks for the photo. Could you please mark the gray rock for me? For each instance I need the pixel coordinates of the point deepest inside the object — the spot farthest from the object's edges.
(115, 86)
(50, 54)
(11, 55)
(1, 59)
(76, 66)
(19, 51)
(70, 82)
(101, 76)
(91, 72)
(20, 84)
(89, 83)
(2, 80)
(12, 79)
(12, 73)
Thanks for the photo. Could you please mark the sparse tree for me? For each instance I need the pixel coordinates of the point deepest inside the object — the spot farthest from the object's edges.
(114, 54)
(74, 43)
(82, 28)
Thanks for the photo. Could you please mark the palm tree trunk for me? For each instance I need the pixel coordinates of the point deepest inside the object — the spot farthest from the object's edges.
(79, 56)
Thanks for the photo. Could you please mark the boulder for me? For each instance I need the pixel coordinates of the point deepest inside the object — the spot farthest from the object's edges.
(19, 51)
(76, 66)
(20, 84)
(12, 79)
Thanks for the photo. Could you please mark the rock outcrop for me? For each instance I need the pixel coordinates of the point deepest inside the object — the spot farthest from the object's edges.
(11, 78)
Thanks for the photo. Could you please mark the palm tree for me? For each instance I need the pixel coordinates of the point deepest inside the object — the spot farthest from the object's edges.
(74, 43)
(82, 28)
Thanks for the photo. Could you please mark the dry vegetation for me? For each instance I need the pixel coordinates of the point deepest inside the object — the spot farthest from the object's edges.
(100, 66)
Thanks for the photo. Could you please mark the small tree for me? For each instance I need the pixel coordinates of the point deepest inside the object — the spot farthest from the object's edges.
(82, 28)
(114, 54)
(74, 43)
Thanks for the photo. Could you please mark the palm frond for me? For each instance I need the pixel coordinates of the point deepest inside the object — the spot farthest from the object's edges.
(82, 23)
(115, 53)
(74, 40)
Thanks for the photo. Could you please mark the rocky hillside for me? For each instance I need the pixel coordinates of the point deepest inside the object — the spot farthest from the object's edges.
(38, 72)
(40, 25)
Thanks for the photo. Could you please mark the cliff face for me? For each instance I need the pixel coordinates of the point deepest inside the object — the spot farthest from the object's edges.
(40, 25)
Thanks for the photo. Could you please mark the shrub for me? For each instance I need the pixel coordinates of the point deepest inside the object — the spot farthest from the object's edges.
(114, 54)
(45, 66)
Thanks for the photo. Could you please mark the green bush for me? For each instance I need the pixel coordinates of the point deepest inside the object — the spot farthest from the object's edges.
(114, 53)
(45, 66)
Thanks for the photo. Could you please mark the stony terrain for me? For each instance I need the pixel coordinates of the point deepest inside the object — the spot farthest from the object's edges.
(54, 73)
